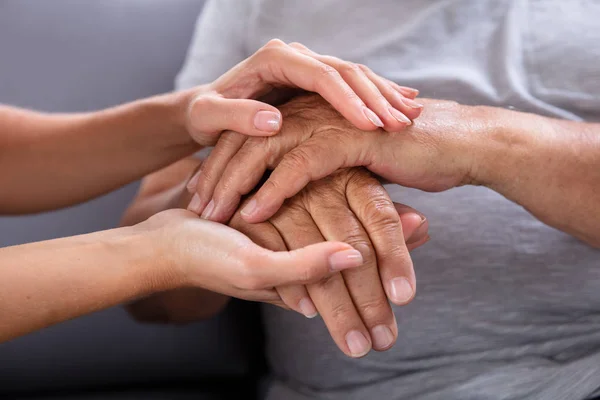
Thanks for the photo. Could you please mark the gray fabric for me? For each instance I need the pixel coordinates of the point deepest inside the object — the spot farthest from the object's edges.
(70, 55)
(507, 308)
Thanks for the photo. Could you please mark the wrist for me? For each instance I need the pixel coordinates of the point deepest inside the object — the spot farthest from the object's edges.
(138, 248)
(501, 147)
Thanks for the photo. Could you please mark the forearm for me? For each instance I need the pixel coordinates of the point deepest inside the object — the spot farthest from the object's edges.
(48, 282)
(550, 167)
(50, 161)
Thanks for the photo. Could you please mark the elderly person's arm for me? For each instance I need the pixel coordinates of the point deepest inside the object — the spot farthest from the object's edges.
(551, 167)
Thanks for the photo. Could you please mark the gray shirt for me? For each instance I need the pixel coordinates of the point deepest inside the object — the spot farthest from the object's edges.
(507, 308)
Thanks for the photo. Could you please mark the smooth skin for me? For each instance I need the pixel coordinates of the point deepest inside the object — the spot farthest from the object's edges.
(551, 167)
(48, 161)
(350, 206)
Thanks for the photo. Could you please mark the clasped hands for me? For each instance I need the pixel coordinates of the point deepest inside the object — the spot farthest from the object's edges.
(315, 161)
(328, 168)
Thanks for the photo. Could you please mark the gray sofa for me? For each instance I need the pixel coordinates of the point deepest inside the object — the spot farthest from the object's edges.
(71, 55)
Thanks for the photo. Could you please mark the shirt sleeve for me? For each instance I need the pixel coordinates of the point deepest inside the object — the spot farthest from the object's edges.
(218, 42)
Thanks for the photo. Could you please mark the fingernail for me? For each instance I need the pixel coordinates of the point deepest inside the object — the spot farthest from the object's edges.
(194, 205)
(267, 121)
(345, 259)
(419, 233)
(208, 210)
(307, 307)
(400, 117)
(191, 186)
(357, 344)
(400, 290)
(411, 103)
(408, 91)
(382, 337)
(249, 208)
(371, 116)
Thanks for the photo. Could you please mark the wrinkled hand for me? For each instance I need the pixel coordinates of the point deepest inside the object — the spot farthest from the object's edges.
(353, 207)
(365, 99)
(316, 141)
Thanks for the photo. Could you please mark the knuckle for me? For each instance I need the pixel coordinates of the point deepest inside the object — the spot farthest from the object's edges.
(348, 68)
(342, 311)
(364, 68)
(275, 43)
(307, 273)
(362, 244)
(201, 102)
(297, 159)
(380, 213)
(374, 310)
(327, 74)
(248, 279)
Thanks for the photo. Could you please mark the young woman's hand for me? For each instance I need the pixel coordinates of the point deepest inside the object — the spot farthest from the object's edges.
(365, 99)
(215, 257)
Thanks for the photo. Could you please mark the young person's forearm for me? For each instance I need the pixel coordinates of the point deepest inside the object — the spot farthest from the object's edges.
(50, 161)
(551, 167)
(48, 282)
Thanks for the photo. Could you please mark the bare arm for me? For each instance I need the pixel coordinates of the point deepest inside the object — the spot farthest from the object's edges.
(51, 161)
(551, 167)
(48, 282)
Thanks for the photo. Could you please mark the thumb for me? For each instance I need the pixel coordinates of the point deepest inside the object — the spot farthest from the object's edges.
(210, 115)
(306, 265)
(414, 225)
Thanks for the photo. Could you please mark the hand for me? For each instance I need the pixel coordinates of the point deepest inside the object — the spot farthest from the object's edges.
(163, 190)
(215, 257)
(353, 207)
(367, 100)
(433, 154)
(160, 191)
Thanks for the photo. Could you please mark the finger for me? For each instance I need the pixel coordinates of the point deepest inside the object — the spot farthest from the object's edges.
(336, 221)
(209, 115)
(240, 176)
(296, 297)
(330, 296)
(405, 91)
(285, 65)
(405, 105)
(308, 162)
(393, 119)
(267, 236)
(209, 174)
(306, 265)
(414, 224)
(389, 104)
(374, 208)
(419, 243)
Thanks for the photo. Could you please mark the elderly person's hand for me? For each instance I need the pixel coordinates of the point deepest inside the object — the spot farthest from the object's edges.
(315, 141)
(353, 207)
